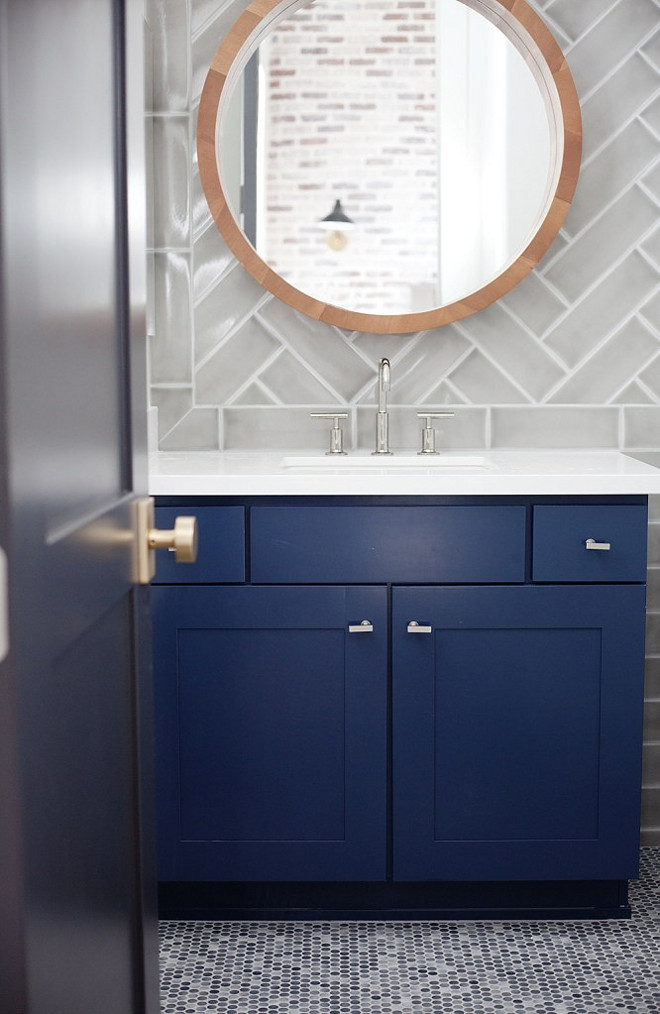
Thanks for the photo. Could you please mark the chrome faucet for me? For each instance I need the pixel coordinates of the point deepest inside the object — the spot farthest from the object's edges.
(382, 419)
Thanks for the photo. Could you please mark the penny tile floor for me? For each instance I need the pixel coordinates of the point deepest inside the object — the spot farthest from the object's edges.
(589, 967)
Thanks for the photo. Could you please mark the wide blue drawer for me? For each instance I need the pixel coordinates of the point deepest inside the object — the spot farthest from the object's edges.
(221, 555)
(383, 544)
(561, 537)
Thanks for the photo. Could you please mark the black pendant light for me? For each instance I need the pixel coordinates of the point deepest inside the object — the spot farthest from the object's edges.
(337, 224)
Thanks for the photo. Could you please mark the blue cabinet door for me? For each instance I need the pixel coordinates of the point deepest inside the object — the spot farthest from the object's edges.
(271, 733)
(517, 732)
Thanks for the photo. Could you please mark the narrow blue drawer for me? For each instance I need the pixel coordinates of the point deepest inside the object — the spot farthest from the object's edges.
(383, 544)
(221, 555)
(560, 550)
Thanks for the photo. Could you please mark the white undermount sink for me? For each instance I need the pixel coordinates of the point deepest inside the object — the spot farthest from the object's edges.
(405, 461)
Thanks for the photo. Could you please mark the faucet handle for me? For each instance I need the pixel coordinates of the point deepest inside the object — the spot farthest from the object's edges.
(428, 433)
(336, 434)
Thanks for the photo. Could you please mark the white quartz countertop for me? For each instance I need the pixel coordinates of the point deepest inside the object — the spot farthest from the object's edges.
(458, 473)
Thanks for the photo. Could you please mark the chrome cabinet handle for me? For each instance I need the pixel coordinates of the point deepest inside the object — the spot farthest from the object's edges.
(592, 544)
(415, 628)
(366, 627)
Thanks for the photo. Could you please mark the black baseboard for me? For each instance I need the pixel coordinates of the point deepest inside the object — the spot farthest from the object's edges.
(562, 899)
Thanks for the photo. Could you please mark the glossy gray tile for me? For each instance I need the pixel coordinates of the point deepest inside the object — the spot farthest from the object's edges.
(444, 394)
(653, 589)
(395, 347)
(654, 544)
(650, 311)
(418, 366)
(623, 160)
(600, 376)
(209, 33)
(233, 363)
(291, 381)
(481, 381)
(641, 426)
(534, 302)
(172, 404)
(604, 309)
(196, 431)
(651, 765)
(653, 633)
(610, 40)
(574, 427)
(201, 214)
(170, 24)
(201, 12)
(651, 180)
(633, 394)
(228, 303)
(650, 114)
(618, 100)
(171, 198)
(650, 377)
(652, 670)
(651, 247)
(651, 49)
(575, 19)
(652, 721)
(619, 229)
(276, 429)
(212, 259)
(170, 348)
(651, 807)
(255, 394)
(326, 349)
(517, 352)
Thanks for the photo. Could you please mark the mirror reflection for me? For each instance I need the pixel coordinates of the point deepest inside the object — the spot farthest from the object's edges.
(421, 118)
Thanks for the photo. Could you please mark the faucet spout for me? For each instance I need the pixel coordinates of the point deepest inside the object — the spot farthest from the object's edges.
(384, 383)
(382, 418)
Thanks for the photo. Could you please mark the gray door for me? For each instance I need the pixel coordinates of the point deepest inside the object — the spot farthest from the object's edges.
(76, 884)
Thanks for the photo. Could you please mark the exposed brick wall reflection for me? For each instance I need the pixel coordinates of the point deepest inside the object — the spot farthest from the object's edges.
(352, 116)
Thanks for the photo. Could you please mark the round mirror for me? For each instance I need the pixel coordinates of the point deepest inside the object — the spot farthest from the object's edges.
(390, 166)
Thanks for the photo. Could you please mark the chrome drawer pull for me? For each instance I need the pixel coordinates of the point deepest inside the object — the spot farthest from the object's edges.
(366, 627)
(415, 628)
(592, 544)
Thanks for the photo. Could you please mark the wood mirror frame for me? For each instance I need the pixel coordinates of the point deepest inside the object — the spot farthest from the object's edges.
(526, 30)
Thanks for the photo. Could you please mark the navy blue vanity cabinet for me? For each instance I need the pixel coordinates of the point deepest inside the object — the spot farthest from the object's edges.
(271, 711)
(424, 704)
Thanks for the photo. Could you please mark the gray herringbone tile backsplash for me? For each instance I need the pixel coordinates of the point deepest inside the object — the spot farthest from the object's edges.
(570, 358)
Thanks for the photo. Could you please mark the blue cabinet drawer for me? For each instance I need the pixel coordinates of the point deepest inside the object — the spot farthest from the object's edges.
(383, 544)
(563, 534)
(221, 555)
